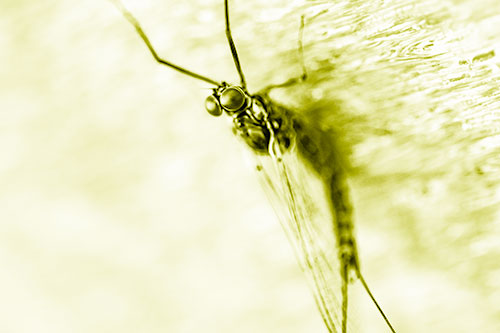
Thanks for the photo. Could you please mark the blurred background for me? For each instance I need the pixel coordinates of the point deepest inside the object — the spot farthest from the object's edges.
(125, 207)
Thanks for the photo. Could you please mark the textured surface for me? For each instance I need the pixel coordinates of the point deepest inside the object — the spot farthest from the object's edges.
(125, 208)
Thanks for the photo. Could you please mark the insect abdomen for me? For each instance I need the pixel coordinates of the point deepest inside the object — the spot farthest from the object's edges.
(316, 147)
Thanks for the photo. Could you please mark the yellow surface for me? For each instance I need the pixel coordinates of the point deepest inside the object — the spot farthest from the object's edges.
(124, 207)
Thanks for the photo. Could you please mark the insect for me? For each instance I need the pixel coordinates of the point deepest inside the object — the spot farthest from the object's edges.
(287, 147)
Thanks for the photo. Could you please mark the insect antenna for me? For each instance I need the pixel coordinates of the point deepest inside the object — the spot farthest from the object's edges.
(233, 47)
(128, 15)
(365, 285)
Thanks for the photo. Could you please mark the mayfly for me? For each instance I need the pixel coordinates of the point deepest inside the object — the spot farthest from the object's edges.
(282, 139)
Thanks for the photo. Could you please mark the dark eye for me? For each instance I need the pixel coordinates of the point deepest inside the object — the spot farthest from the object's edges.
(232, 99)
(212, 106)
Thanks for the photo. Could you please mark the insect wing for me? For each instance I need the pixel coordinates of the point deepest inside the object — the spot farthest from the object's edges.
(299, 199)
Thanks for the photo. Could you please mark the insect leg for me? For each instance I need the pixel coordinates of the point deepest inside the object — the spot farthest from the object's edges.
(132, 20)
(300, 49)
(232, 46)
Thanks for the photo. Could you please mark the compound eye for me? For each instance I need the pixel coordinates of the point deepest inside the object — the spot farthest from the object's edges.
(232, 99)
(212, 106)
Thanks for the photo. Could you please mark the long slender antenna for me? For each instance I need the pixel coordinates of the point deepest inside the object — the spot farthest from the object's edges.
(128, 15)
(232, 46)
(365, 285)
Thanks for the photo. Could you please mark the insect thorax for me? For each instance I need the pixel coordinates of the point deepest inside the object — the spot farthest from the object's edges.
(256, 119)
(260, 122)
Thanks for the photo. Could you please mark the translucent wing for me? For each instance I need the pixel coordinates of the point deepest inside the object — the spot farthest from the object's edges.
(300, 199)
